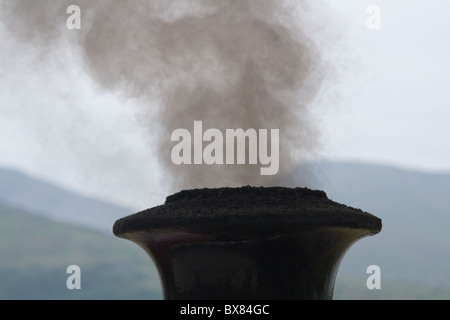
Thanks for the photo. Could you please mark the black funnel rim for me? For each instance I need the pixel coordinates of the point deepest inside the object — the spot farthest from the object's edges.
(246, 206)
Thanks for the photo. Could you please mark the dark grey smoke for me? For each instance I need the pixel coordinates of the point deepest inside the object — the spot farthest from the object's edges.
(232, 64)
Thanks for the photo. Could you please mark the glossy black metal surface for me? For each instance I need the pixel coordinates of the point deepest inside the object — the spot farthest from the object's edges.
(271, 264)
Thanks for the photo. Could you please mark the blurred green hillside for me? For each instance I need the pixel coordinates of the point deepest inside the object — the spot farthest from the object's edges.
(35, 253)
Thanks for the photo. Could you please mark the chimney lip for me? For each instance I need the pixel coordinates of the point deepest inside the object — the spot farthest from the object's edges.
(248, 206)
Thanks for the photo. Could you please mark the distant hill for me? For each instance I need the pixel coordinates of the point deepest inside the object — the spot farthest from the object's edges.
(45, 199)
(414, 245)
(35, 253)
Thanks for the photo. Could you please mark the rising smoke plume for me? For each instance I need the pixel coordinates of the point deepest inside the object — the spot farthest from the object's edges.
(232, 64)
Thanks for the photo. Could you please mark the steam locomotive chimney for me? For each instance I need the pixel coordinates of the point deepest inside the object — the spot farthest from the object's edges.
(248, 243)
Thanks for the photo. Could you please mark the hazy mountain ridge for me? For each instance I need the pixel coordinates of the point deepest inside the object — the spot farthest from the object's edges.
(46, 199)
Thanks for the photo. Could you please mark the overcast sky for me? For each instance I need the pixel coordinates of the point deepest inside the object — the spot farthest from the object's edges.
(392, 106)
(401, 113)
